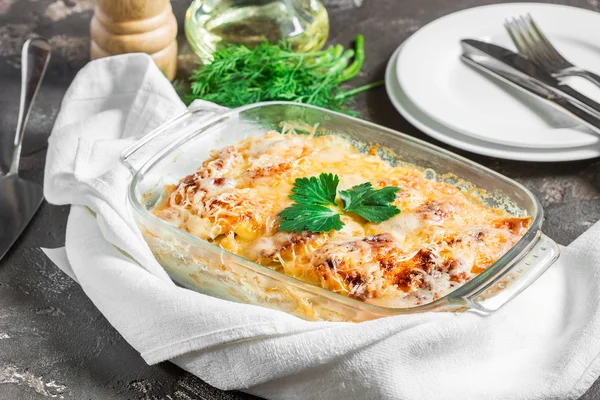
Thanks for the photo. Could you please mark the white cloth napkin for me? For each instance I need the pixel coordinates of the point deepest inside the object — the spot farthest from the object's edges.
(544, 344)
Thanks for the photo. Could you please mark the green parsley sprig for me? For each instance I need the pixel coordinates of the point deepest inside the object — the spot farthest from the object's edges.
(239, 75)
(373, 205)
(314, 198)
(321, 191)
(309, 217)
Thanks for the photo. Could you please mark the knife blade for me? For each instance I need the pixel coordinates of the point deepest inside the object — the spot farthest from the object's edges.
(515, 62)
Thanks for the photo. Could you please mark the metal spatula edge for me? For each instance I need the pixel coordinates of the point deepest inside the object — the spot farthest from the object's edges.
(19, 198)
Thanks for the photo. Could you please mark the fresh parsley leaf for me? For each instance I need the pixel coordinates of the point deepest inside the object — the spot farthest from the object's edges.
(373, 205)
(312, 191)
(309, 217)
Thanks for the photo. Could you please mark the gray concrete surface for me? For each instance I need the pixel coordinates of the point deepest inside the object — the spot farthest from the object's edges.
(53, 341)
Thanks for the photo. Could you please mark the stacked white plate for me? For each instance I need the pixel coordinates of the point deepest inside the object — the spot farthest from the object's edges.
(450, 101)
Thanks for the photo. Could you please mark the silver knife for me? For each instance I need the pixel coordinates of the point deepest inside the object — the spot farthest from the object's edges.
(518, 78)
(19, 198)
(517, 62)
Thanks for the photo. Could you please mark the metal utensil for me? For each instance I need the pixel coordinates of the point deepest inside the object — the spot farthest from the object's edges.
(534, 71)
(20, 199)
(531, 41)
(519, 72)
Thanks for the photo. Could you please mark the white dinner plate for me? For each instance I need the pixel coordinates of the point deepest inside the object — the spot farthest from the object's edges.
(444, 134)
(468, 101)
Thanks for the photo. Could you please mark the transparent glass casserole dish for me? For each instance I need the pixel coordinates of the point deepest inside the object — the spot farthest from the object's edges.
(180, 146)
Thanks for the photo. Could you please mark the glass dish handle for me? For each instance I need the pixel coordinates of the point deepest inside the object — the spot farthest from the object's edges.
(170, 134)
(523, 273)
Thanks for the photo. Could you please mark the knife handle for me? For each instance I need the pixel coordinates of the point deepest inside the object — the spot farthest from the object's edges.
(585, 102)
(589, 119)
(34, 60)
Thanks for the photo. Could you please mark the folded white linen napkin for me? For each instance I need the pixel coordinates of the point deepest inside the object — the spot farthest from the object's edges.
(543, 344)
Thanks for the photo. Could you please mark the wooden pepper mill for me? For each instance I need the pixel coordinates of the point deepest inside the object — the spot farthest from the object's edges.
(132, 26)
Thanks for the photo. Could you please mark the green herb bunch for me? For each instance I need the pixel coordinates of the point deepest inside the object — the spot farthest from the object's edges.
(239, 75)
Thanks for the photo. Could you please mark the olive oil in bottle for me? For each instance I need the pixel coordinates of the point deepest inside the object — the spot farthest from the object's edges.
(210, 24)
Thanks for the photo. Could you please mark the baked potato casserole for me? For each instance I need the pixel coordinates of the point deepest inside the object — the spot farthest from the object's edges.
(439, 238)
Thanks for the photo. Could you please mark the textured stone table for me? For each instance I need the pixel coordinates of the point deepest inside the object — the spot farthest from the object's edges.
(53, 341)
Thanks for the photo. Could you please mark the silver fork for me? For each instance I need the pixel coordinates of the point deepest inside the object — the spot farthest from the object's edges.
(531, 42)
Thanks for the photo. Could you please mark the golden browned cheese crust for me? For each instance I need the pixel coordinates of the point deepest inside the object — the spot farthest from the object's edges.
(442, 238)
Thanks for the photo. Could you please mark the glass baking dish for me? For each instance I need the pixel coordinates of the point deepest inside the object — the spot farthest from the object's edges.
(180, 146)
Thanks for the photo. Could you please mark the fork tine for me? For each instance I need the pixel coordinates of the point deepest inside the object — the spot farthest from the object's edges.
(545, 57)
(544, 40)
(518, 38)
(515, 37)
(529, 40)
(528, 49)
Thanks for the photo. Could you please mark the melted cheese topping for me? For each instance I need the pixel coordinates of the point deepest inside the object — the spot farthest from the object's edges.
(442, 239)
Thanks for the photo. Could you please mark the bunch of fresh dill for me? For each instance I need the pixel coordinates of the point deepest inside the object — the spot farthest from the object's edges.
(239, 75)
